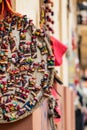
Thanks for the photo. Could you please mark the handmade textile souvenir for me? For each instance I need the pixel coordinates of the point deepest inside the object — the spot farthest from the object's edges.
(26, 66)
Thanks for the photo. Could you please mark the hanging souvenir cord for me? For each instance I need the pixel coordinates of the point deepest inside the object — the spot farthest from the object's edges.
(51, 107)
(54, 112)
(46, 19)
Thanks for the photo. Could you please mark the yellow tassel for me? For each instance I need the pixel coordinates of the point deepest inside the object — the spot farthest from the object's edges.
(0, 1)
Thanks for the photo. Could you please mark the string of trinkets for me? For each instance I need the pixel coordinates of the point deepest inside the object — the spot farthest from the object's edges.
(26, 67)
(46, 15)
(46, 21)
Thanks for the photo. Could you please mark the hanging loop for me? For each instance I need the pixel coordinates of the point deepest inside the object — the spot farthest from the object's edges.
(10, 9)
(5, 6)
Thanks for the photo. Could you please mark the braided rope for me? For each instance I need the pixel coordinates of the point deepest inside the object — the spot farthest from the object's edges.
(52, 124)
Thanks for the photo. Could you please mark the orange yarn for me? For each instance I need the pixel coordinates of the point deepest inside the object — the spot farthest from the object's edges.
(11, 10)
(2, 10)
(6, 6)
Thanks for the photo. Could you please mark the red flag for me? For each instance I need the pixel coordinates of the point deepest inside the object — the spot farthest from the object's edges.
(59, 49)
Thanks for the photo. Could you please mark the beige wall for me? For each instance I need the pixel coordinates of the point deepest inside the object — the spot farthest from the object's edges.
(56, 18)
(29, 7)
(64, 38)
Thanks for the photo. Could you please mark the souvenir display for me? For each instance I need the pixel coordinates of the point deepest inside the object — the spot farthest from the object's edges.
(26, 67)
(47, 15)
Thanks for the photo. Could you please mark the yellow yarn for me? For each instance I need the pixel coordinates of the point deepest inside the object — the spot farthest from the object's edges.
(0, 1)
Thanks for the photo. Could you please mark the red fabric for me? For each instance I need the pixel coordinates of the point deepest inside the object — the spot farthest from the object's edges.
(59, 49)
